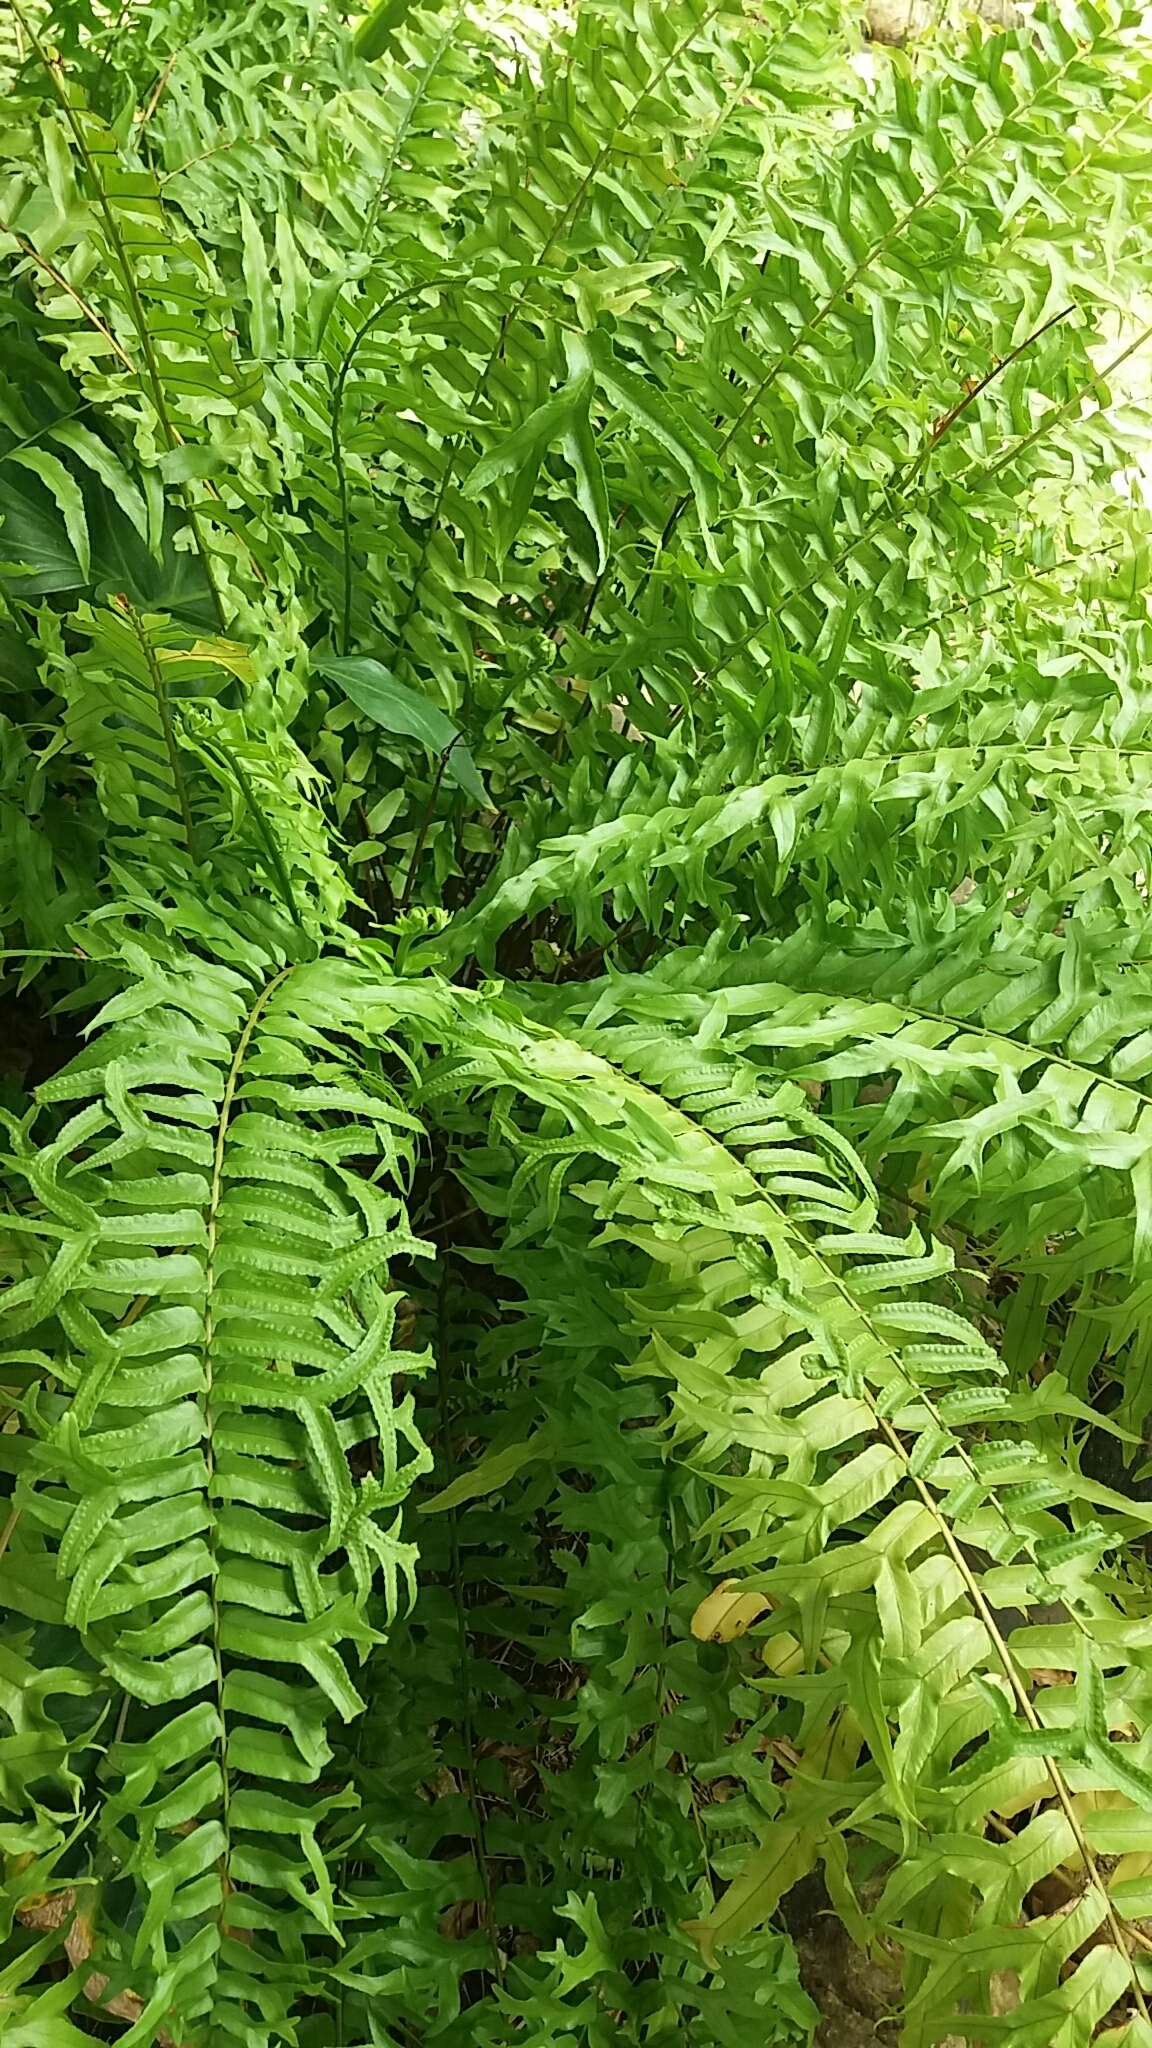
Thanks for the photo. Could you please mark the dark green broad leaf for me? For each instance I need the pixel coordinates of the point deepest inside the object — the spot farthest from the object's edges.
(377, 692)
(36, 555)
(172, 580)
(37, 558)
(18, 662)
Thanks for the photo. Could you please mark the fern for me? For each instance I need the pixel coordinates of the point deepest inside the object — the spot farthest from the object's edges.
(777, 1244)
(1015, 1105)
(575, 835)
(212, 1495)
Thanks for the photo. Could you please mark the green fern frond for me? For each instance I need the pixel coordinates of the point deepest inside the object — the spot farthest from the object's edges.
(867, 1486)
(186, 785)
(736, 434)
(1064, 818)
(209, 1484)
(1004, 1086)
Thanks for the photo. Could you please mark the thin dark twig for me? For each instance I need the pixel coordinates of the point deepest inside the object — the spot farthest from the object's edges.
(948, 420)
(1002, 363)
(426, 821)
(158, 93)
(980, 472)
(1032, 574)
(817, 319)
(339, 381)
(373, 870)
(584, 965)
(565, 220)
(217, 149)
(1061, 412)
(900, 483)
(58, 278)
(419, 93)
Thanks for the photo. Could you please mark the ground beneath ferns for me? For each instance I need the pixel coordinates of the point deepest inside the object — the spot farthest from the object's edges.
(857, 1998)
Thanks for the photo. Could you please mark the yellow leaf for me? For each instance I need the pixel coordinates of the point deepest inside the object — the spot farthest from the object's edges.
(229, 654)
(783, 1654)
(726, 1613)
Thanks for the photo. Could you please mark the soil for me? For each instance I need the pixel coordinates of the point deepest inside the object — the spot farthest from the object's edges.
(33, 1046)
(856, 1996)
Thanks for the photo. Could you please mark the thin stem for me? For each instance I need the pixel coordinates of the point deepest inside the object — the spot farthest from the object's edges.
(212, 1227)
(158, 92)
(217, 149)
(885, 511)
(426, 821)
(164, 713)
(899, 484)
(1033, 574)
(40, 953)
(61, 420)
(947, 421)
(944, 425)
(224, 756)
(337, 428)
(884, 242)
(565, 220)
(10, 1528)
(1070, 405)
(805, 1247)
(58, 278)
(419, 93)
(845, 286)
(1019, 1690)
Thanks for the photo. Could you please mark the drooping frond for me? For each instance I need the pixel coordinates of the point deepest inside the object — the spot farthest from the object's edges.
(1004, 1086)
(882, 1490)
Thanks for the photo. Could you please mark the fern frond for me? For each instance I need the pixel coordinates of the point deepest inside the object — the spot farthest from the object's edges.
(735, 439)
(211, 1500)
(186, 785)
(1064, 817)
(122, 712)
(861, 1408)
(1004, 1085)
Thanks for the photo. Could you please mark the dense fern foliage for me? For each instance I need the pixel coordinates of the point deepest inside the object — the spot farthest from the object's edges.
(576, 1098)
